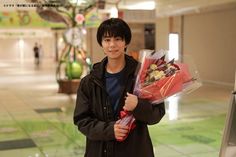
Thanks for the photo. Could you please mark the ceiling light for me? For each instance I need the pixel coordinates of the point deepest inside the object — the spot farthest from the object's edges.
(149, 5)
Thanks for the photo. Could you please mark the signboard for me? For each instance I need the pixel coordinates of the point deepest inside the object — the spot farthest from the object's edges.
(23, 19)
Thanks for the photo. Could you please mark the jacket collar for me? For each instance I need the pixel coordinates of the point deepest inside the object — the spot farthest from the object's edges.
(99, 68)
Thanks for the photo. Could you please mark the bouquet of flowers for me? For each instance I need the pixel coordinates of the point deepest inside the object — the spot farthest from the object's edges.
(158, 79)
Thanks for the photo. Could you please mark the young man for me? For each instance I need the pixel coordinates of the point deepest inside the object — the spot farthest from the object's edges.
(106, 91)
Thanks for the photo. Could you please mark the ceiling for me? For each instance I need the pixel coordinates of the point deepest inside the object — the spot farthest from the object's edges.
(25, 33)
(179, 7)
(122, 4)
(162, 7)
(137, 4)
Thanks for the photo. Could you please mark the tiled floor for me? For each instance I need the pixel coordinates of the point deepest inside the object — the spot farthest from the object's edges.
(36, 121)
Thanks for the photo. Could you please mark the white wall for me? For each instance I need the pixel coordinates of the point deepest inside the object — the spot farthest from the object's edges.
(209, 38)
(10, 48)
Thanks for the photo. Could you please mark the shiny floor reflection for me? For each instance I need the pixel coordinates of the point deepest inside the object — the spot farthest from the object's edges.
(36, 121)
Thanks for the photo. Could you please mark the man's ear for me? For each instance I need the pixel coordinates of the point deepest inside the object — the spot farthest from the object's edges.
(125, 48)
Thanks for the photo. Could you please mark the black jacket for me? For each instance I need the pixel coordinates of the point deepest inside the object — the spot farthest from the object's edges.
(95, 119)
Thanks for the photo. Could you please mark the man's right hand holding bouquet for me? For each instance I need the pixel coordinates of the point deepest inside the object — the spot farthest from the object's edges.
(121, 130)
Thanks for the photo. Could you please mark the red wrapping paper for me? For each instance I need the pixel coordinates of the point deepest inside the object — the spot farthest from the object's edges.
(158, 90)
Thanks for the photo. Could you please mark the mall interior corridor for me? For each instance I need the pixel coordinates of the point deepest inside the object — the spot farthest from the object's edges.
(36, 121)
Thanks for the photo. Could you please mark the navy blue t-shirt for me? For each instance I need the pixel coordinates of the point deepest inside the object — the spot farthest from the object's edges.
(113, 87)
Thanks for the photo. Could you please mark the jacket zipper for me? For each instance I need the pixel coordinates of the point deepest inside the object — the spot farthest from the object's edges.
(107, 101)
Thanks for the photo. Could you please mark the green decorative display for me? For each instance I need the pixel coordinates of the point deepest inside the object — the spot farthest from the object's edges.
(92, 19)
(74, 70)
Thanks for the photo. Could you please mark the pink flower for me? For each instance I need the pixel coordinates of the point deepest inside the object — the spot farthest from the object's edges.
(79, 18)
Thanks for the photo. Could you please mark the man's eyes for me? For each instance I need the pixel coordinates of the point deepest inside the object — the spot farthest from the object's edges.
(118, 38)
(107, 40)
(115, 39)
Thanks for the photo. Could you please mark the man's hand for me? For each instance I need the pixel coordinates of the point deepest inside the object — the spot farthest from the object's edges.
(131, 102)
(120, 131)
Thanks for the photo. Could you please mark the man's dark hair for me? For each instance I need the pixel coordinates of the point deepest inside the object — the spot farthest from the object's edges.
(114, 27)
